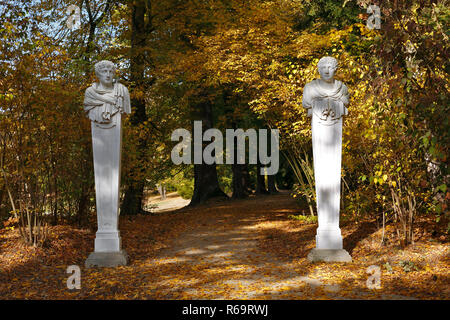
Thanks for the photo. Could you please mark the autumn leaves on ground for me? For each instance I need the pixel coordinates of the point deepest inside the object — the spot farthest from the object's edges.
(244, 249)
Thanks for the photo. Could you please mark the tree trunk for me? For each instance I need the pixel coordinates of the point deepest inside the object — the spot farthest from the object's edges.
(2, 192)
(132, 202)
(140, 29)
(206, 184)
(82, 206)
(271, 184)
(87, 185)
(246, 179)
(260, 183)
(238, 174)
(239, 191)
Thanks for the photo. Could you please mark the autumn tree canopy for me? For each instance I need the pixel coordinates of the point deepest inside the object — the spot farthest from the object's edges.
(230, 64)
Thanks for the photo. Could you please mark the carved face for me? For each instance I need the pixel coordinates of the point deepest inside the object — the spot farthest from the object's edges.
(106, 76)
(327, 71)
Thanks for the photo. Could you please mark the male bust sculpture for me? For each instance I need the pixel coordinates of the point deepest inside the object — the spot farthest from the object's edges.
(326, 97)
(105, 102)
(105, 98)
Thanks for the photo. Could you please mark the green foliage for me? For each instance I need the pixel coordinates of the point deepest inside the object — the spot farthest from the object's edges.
(328, 14)
(408, 266)
(388, 267)
(225, 177)
(186, 189)
(304, 174)
(303, 218)
(182, 182)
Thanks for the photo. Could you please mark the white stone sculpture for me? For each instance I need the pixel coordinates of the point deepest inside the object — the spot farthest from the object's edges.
(325, 100)
(104, 103)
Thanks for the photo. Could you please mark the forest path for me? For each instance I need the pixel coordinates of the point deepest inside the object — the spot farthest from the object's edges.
(221, 257)
(173, 201)
(224, 249)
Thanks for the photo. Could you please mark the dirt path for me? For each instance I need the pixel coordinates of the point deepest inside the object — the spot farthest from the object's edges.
(239, 269)
(221, 259)
(224, 253)
(172, 202)
(224, 249)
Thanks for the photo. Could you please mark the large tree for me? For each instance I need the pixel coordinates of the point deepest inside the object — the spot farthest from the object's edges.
(140, 62)
(206, 184)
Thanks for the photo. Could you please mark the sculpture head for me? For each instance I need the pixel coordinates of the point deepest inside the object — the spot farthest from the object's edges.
(327, 68)
(105, 71)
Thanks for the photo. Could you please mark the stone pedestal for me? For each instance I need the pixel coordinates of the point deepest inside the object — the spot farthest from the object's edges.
(329, 255)
(106, 143)
(327, 154)
(107, 259)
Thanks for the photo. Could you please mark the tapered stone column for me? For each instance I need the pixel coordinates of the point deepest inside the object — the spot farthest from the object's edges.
(105, 102)
(326, 100)
(327, 150)
(106, 144)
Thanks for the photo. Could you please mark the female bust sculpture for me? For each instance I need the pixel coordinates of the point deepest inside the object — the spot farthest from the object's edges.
(326, 97)
(326, 100)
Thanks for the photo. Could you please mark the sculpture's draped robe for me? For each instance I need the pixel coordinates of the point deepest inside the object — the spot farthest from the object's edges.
(102, 112)
(327, 106)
